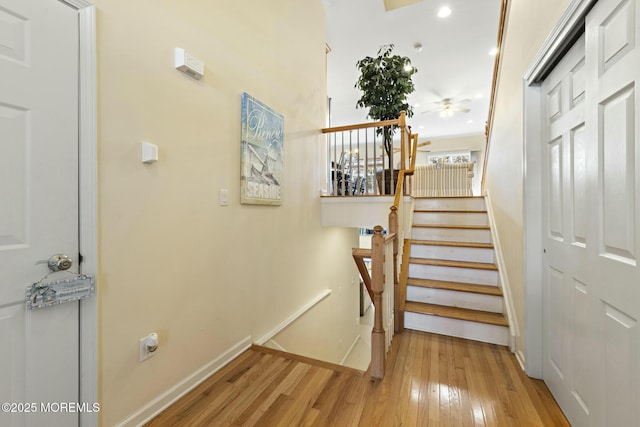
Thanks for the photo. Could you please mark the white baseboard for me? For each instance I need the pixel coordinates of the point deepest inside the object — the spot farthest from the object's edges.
(353, 345)
(273, 344)
(302, 310)
(514, 328)
(166, 399)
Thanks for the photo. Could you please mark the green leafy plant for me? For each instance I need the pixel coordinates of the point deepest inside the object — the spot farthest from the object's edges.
(385, 82)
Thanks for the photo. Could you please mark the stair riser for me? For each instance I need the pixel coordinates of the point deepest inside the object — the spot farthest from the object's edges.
(469, 300)
(450, 204)
(454, 274)
(451, 235)
(451, 218)
(458, 328)
(453, 253)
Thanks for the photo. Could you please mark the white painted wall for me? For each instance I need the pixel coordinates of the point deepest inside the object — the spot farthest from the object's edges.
(204, 276)
(528, 24)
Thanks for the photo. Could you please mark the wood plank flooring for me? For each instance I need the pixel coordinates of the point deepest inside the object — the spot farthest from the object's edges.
(431, 380)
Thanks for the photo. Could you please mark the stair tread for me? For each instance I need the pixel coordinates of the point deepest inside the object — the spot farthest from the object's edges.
(457, 313)
(455, 286)
(449, 263)
(449, 243)
(463, 227)
(449, 211)
(450, 197)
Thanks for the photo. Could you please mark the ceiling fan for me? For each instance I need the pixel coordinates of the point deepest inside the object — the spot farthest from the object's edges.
(448, 106)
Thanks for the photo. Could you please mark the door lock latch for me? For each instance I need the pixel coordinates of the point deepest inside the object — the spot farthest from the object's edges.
(59, 262)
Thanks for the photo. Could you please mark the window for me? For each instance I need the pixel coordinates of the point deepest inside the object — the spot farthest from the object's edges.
(460, 157)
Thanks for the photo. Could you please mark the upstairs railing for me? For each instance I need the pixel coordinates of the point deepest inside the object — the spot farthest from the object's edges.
(358, 164)
(384, 255)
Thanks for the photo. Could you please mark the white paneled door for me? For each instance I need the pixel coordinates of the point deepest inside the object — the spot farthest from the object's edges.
(39, 349)
(564, 217)
(591, 213)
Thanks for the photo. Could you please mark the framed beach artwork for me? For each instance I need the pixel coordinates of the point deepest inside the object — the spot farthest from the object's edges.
(261, 156)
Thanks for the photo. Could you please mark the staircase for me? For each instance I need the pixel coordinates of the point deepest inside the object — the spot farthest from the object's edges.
(453, 285)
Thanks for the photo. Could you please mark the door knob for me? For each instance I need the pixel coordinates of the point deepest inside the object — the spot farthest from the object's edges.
(59, 262)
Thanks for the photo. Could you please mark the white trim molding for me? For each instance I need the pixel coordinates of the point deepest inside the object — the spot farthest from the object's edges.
(561, 38)
(514, 329)
(532, 219)
(289, 320)
(351, 348)
(568, 29)
(88, 202)
(273, 344)
(166, 399)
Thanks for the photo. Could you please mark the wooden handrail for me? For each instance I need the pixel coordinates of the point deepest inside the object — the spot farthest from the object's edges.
(350, 184)
(375, 282)
(402, 285)
(494, 84)
(362, 252)
(359, 254)
(400, 282)
(394, 122)
(406, 172)
(389, 238)
(377, 261)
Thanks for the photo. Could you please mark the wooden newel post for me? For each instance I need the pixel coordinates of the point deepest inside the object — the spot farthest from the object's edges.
(377, 285)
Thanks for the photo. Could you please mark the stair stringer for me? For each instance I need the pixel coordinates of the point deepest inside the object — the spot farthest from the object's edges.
(503, 281)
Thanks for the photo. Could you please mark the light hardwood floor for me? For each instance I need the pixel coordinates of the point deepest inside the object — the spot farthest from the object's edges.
(431, 380)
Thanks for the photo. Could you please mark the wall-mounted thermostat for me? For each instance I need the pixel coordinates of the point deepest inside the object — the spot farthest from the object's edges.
(188, 64)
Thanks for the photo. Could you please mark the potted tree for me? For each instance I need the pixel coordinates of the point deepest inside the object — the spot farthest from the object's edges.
(385, 82)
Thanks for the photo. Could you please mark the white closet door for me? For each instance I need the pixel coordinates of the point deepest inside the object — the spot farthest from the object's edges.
(565, 214)
(613, 160)
(591, 211)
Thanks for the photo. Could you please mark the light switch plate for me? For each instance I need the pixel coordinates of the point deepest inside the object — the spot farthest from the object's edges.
(149, 152)
(223, 197)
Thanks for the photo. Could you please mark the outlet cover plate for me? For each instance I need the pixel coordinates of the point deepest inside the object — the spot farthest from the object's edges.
(144, 353)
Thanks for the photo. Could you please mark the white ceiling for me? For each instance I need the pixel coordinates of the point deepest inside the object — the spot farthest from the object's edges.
(454, 61)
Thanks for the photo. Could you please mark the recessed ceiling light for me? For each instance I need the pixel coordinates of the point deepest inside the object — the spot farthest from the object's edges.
(469, 121)
(478, 95)
(494, 51)
(444, 11)
(416, 105)
(420, 127)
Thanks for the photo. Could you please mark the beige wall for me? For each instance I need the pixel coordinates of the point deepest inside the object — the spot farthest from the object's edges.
(171, 259)
(529, 23)
(475, 142)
